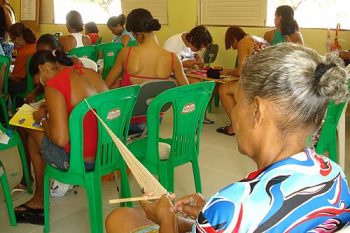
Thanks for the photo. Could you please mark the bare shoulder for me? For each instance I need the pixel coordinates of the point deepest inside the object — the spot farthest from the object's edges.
(297, 37)
(268, 36)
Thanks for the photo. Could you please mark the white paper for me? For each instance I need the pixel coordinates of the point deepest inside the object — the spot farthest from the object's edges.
(28, 10)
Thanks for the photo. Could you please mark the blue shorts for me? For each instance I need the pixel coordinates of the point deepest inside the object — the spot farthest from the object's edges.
(57, 157)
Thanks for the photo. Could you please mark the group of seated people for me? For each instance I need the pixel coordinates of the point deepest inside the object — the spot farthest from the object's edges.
(269, 116)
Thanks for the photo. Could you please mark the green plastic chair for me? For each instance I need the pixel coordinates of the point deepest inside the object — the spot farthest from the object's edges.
(86, 51)
(328, 136)
(110, 52)
(7, 194)
(189, 104)
(29, 88)
(15, 141)
(4, 60)
(115, 108)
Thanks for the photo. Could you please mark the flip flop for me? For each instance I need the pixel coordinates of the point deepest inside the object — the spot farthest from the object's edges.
(224, 130)
(29, 217)
(27, 209)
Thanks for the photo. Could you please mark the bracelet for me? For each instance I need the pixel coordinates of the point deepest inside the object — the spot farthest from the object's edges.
(42, 119)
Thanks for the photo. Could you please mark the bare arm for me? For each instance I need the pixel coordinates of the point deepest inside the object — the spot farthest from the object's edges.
(57, 130)
(125, 40)
(179, 72)
(86, 40)
(116, 69)
(297, 38)
(268, 36)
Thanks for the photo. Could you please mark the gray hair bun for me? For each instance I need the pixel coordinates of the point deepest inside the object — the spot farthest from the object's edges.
(331, 78)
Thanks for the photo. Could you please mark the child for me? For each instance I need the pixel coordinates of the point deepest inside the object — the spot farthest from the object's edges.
(91, 31)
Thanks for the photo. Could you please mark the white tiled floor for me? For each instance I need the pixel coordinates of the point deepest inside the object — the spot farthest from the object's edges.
(220, 164)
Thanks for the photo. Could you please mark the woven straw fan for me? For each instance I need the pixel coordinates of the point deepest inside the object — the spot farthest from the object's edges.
(148, 183)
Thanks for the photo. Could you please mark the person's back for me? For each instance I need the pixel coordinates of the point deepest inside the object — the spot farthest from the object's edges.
(75, 27)
(146, 61)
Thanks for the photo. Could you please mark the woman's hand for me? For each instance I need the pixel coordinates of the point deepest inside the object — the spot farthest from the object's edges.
(190, 205)
(30, 97)
(160, 211)
(40, 114)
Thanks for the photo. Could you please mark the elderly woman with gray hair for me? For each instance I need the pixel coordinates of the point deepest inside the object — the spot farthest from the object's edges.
(281, 98)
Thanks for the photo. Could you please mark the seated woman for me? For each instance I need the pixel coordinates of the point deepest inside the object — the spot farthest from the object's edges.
(24, 40)
(148, 61)
(91, 30)
(279, 102)
(65, 87)
(75, 39)
(245, 45)
(117, 26)
(286, 27)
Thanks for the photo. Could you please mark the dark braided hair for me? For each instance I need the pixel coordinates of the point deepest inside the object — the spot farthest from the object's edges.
(199, 36)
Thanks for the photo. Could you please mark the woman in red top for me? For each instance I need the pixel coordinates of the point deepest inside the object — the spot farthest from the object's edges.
(65, 87)
(91, 30)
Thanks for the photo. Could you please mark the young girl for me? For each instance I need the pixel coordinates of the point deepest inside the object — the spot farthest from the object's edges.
(91, 31)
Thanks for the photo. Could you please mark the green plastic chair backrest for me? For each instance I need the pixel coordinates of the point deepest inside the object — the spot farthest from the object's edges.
(189, 104)
(115, 108)
(98, 41)
(4, 60)
(110, 52)
(88, 51)
(328, 136)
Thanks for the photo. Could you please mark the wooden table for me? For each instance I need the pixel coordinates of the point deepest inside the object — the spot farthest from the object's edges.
(203, 76)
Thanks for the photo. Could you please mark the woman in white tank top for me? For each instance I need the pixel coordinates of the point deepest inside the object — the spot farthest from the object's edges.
(75, 39)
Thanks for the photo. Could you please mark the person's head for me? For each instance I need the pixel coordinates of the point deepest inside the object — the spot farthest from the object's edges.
(47, 42)
(74, 21)
(232, 36)
(140, 21)
(91, 27)
(199, 37)
(21, 35)
(284, 91)
(284, 20)
(44, 64)
(116, 24)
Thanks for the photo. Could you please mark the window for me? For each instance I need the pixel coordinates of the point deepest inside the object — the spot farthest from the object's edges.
(97, 11)
(314, 13)
(308, 13)
(229, 12)
(55, 11)
(158, 8)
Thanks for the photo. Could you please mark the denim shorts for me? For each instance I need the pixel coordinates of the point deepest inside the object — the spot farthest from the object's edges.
(57, 157)
(54, 155)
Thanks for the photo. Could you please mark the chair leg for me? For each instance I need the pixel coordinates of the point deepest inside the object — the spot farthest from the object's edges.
(332, 149)
(94, 194)
(124, 186)
(24, 167)
(7, 195)
(197, 175)
(217, 100)
(163, 175)
(46, 204)
(4, 112)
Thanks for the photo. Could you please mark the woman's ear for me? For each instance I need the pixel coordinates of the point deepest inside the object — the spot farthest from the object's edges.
(259, 110)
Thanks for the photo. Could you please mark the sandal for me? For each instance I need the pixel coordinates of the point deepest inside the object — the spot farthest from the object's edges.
(224, 130)
(29, 215)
